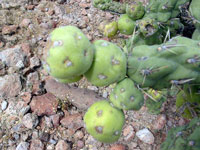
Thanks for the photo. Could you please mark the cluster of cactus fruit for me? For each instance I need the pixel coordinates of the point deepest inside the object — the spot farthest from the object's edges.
(70, 55)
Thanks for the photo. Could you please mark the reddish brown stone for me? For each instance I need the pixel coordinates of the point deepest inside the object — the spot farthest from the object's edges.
(26, 97)
(44, 105)
(62, 145)
(36, 145)
(26, 48)
(159, 122)
(73, 122)
(9, 29)
(55, 119)
(117, 147)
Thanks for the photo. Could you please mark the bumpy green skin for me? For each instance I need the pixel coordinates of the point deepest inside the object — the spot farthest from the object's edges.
(110, 5)
(196, 35)
(189, 100)
(126, 96)
(104, 122)
(126, 25)
(109, 64)
(69, 53)
(184, 137)
(174, 62)
(147, 26)
(69, 80)
(135, 11)
(194, 12)
(163, 10)
(110, 29)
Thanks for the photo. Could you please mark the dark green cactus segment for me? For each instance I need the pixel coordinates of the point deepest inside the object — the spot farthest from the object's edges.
(164, 10)
(184, 137)
(110, 5)
(126, 96)
(104, 122)
(135, 10)
(175, 62)
(126, 25)
(187, 101)
(109, 64)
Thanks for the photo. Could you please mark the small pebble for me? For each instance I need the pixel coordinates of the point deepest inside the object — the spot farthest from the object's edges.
(145, 135)
(4, 105)
(23, 146)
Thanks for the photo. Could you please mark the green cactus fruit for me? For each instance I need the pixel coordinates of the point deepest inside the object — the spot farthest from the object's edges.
(126, 96)
(69, 80)
(104, 122)
(68, 54)
(196, 35)
(188, 101)
(185, 137)
(172, 63)
(109, 29)
(126, 25)
(109, 64)
(135, 11)
(147, 26)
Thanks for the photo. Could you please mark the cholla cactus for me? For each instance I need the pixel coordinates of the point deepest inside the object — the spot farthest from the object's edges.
(173, 63)
(184, 137)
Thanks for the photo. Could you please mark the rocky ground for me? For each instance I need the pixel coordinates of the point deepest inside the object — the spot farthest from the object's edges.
(37, 113)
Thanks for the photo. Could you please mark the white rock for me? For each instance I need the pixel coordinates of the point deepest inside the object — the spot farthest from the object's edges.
(22, 146)
(4, 105)
(145, 135)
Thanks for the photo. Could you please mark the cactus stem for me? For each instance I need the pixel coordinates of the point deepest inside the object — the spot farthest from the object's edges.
(102, 77)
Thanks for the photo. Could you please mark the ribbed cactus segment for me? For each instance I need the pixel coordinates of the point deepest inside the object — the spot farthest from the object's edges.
(110, 5)
(163, 10)
(173, 63)
(184, 137)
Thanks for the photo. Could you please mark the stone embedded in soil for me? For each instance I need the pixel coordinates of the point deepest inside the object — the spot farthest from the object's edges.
(10, 86)
(62, 145)
(13, 57)
(145, 136)
(36, 145)
(25, 22)
(160, 122)
(117, 147)
(73, 94)
(55, 120)
(44, 105)
(30, 120)
(34, 62)
(128, 133)
(22, 146)
(73, 122)
(9, 29)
